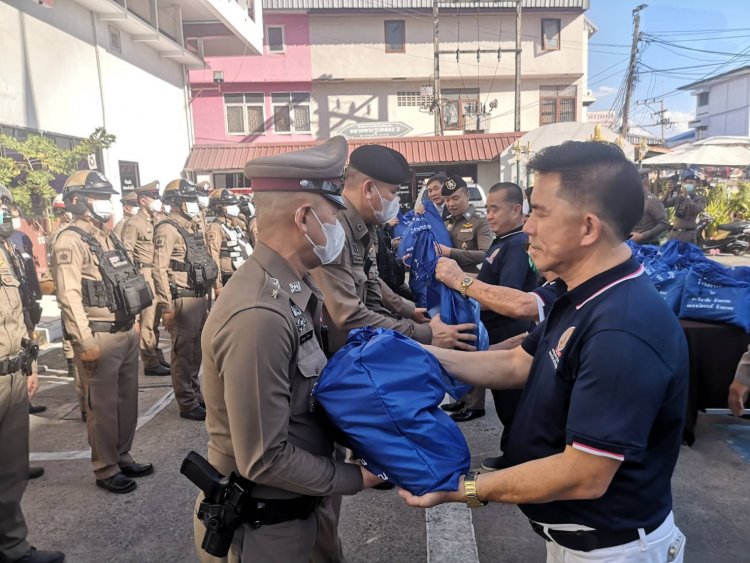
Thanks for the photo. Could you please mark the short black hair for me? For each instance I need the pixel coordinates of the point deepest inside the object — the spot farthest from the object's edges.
(597, 175)
(512, 192)
(439, 177)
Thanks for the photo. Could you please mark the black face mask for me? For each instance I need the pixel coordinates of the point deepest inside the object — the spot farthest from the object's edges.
(6, 225)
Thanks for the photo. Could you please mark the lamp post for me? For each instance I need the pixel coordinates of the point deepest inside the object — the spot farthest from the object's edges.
(518, 151)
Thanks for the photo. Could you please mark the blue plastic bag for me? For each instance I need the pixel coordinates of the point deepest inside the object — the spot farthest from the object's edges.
(424, 287)
(679, 255)
(713, 293)
(670, 286)
(382, 390)
(430, 219)
(454, 310)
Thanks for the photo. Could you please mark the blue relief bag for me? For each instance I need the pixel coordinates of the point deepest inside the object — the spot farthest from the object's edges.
(382, 390)
(670, 286)
(714, 293)
(454, 310)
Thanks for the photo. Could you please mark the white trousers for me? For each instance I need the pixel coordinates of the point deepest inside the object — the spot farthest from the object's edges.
(650, 548)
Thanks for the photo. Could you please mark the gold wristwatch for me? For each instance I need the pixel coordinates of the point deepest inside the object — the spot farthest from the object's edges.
(470, 491)
(465, 283)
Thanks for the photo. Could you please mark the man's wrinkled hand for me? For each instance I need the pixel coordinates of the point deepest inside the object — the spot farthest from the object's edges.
(737, 396)
(420, 315)
(453, 336)
(430, 499)
(90, 358)
(419, 209)
(32, 384)
(510, 343)
(167, 318)
(449, 273)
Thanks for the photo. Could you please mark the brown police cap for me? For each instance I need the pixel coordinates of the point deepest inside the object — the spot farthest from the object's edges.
(315, 170)
(452, 185)
(150, 188)
(130, 198)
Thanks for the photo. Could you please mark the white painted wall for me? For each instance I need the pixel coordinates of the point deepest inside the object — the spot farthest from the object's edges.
(50, 82)
(728, 108)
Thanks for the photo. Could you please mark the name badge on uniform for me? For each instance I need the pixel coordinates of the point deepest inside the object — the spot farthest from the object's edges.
(117, 261)
(469, 230)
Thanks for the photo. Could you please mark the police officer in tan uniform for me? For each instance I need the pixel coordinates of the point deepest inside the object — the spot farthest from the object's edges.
(129, 210)
(183, 276)
(227, 235)
(688, 204)
(470, 234)
(138, 239)
(100, 292)
(262, 357)
(354, 294)
(64, 219)
(15, 390)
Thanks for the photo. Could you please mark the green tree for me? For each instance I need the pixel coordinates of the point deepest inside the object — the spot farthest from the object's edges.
(38, 161)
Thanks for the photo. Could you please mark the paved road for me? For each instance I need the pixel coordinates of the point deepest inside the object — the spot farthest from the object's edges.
(66, 511)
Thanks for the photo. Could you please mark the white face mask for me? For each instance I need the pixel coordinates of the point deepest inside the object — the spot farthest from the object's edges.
(101, 209)
(203, 200)
(232, 210)
(167, 209)
(191, 208)
(388, 209)
(155, 205)
(134, 211)
(335, 239)
(16, 223)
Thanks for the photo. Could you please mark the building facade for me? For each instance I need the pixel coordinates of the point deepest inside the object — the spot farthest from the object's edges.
(722, 104)
(70, 66)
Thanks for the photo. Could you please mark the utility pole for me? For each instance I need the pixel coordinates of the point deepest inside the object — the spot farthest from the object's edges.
(517, 110)
(436, 109)
(631, 71)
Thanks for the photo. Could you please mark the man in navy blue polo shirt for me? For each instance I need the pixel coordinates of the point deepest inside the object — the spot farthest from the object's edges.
(605, 376)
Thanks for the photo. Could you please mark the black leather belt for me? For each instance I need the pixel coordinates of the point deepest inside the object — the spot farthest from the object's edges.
(11, 365)
(111, 327)
(267, 512)
(177, 293)
(144, 265)
(589, 540)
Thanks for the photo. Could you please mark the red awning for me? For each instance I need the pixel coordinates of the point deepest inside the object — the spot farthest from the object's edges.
(450, 149)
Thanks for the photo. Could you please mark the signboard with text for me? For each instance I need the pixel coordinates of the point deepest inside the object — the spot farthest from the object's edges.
(375, 129)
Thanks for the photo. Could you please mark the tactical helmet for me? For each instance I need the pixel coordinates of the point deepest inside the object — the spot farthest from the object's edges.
(85, 183)
(221, 197)
(58, 203)
(5, 195)
(178, 191)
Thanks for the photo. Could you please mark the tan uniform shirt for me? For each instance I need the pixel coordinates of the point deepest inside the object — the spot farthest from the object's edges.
(261, 359)
(169, 245)
(73, 261)
(13, 328)
(471, 236)
(353, 293)
(117, 229)
(215, 239)
(138, 239)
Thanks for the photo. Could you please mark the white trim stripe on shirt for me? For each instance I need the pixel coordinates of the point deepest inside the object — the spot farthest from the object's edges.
(634, 275)
(596, 451)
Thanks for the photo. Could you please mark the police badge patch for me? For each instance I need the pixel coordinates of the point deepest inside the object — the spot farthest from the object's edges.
(63, 257)
(160, 241)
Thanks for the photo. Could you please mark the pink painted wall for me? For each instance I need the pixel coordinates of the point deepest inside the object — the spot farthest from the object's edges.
(273, 72)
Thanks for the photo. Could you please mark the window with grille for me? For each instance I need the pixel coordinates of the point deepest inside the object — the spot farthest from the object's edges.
(550, 35)
(411, 99)
(245, 114)
(557, 104)
(291, 112)
(458, 107)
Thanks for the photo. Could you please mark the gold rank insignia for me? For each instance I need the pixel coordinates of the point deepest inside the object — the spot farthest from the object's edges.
(468, 225)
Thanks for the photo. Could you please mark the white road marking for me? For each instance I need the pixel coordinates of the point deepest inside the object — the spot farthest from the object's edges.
(450, 530)
(155, 409)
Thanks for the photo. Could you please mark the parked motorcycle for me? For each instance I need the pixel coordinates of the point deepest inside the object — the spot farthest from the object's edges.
(731, 237)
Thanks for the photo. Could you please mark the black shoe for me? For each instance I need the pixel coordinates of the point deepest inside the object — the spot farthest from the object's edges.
(453, 407)
(386, 486)
(494, 463)
(467, 414)
(157, 370)
(165, 363)
(36, 409)
(83, 416)
(117, 484)
(137, 470)
(202, 404)
(196, 413)
(35, 472)
(36, 556)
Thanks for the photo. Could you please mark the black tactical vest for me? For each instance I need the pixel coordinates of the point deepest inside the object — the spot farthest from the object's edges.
(123, 289)
(202, 271)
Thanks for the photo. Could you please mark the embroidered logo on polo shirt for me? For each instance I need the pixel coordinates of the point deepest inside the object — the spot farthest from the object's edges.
(556, 354)
(491, 258)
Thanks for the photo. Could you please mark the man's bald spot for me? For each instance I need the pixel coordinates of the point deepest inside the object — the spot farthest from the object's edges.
(276, 209)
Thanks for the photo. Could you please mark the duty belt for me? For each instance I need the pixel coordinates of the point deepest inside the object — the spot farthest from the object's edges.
(589, 540)
(111, 327)
(178, 292)
(267, 512)
(11, 365)
(143, 265)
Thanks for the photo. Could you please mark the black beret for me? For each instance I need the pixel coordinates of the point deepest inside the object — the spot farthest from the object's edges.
(381, 163)
(451, 185)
